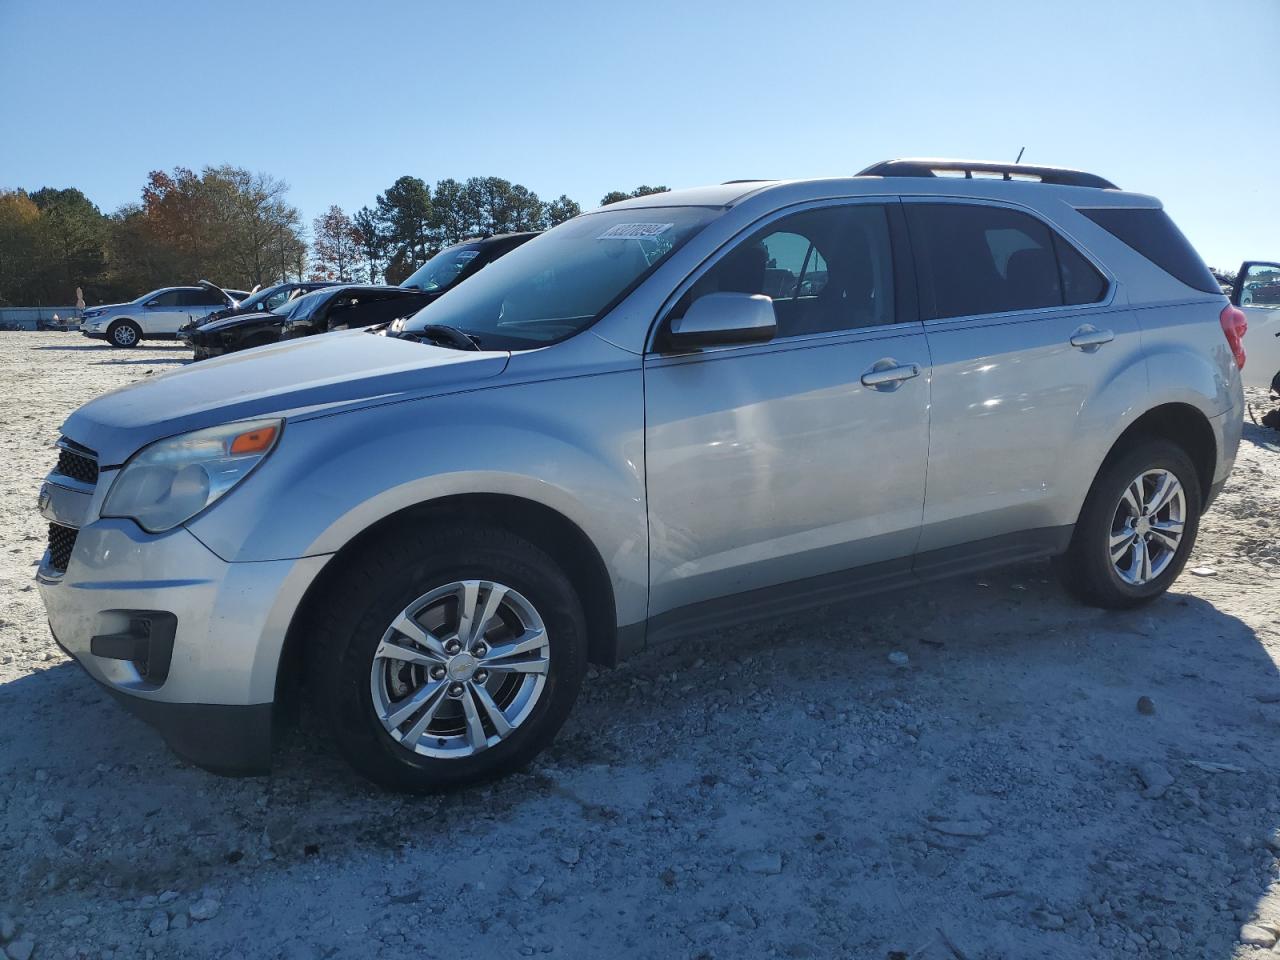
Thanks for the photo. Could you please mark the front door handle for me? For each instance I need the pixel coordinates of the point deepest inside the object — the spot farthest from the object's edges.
(1089, 337)
(888, 372)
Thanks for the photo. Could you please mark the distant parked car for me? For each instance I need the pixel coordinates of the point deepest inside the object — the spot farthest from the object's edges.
(266, 300)
(351, 306)
(1257, 293)
(452, 265)
(315, 312)
(156, 315)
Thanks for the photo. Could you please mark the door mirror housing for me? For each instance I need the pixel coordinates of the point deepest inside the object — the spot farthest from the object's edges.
(721, 319)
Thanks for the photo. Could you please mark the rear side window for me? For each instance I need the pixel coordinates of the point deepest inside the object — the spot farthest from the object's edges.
(1151, 233)
(979, 259)
(976, 259)
(200, 298)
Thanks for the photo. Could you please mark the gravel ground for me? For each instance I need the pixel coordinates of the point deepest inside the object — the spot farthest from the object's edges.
(1032, 779)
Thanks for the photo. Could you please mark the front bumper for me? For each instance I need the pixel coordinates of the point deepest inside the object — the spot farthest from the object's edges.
(213, 703)
(94, 334)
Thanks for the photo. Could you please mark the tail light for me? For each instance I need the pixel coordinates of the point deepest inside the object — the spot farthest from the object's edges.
(1234, 325)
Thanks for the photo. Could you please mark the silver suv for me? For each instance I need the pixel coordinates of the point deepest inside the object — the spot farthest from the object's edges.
(157, 315)
(658, 417)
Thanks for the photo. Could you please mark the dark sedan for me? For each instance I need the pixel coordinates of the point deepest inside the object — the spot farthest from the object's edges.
(260, 301)
(349, 306)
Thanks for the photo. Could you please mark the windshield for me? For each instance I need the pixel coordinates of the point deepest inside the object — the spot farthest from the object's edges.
(443, 269)
(266, 299)
(302, 307)
(561, 282)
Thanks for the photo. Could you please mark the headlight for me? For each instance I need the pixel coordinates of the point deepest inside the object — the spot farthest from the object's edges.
(170, 481)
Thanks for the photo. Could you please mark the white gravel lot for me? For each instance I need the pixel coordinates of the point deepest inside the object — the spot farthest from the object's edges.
(779, 791)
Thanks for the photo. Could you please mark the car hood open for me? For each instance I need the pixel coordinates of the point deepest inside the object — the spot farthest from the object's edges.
(296, 378)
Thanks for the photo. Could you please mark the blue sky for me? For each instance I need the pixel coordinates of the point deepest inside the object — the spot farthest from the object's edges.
(1172, 97)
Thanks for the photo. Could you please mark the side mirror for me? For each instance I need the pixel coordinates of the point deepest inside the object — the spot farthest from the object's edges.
(719, 319)
(152, 303)
(1257, 285)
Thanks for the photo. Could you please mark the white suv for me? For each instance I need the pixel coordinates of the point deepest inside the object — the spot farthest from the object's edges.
(156, 315)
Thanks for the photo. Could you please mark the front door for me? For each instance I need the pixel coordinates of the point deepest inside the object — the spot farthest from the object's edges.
(164, 313)
(1257, 293)
(774, 463)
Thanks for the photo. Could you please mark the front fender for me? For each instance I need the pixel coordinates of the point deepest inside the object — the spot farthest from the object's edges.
(574, 445)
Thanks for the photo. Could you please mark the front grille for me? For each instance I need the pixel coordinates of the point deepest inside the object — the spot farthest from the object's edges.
(77, 466)
(62, 541)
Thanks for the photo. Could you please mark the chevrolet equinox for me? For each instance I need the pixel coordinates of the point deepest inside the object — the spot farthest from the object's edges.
(657, 417)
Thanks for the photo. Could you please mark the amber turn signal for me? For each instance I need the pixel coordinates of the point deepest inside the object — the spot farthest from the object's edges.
(254, 441)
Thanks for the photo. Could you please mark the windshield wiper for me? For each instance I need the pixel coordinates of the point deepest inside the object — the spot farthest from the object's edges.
(447, 335)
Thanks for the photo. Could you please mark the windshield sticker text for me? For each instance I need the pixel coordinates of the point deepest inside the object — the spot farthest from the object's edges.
(635, 231)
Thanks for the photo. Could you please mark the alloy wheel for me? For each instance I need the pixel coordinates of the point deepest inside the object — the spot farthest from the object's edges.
(1147, 526)
(460, 669)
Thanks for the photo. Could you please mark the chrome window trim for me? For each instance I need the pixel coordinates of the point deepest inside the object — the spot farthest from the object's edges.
(731, 243)
(1102, 305)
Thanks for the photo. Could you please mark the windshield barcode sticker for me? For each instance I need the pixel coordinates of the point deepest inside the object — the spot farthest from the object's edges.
(635, 231)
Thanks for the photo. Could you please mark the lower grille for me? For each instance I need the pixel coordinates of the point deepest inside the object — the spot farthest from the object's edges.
(62, 540)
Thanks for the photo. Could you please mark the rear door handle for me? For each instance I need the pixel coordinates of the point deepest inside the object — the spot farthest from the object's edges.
(887, 372)
(1089, 336)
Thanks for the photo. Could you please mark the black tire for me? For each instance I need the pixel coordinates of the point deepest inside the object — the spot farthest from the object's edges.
(124, 333)
(385, 578)
(1086, 569)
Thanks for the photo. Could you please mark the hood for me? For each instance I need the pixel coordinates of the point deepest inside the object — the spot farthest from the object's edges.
(210, 285)
(237, 320)
(295, 378)
(102, 307)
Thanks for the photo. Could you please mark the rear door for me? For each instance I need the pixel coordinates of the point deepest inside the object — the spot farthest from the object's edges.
(1257, 293)
(777, 463)
(1022, 330)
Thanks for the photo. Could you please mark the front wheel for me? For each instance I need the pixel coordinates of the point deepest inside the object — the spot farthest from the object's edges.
(125, 333)
(1136, 529)
(451, 655)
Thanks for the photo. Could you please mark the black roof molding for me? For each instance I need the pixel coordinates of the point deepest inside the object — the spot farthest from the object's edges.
(930, 167)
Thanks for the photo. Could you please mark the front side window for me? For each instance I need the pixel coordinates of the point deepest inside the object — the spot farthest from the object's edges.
(826, 270)
(980, 259)
(166, 299)
(561, 282)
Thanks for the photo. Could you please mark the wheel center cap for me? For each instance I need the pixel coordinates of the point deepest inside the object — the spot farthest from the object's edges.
(1142, 526)
(462, 667)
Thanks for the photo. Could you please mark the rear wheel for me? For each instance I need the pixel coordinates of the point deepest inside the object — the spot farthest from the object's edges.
(124, 333)
(1138, 526)
(450, 655)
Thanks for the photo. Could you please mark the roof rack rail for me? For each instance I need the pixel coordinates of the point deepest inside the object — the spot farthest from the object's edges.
(930, 168)
(747, 180)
